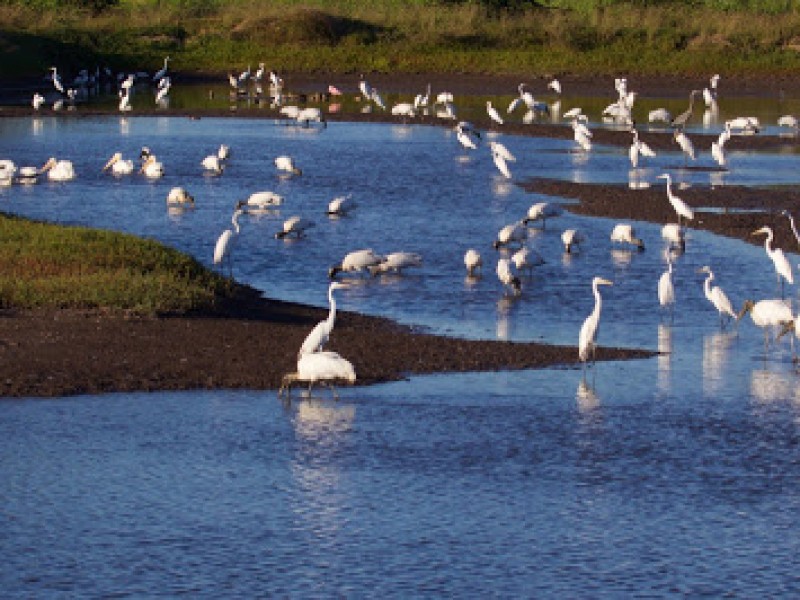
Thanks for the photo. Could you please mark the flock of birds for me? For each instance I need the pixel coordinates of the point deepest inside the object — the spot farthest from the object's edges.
(315, 365)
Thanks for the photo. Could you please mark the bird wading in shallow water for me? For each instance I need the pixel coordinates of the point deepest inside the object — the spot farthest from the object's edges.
(588, 333)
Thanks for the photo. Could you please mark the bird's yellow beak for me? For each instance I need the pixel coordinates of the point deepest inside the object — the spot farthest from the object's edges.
(605, 282)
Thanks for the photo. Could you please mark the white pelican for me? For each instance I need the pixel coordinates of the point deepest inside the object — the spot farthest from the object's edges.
(666, 289)
(472, 261)
(59, 170)
(779, 260)
(769, 314)
(623, 233)
(119, 165)
(717, 297)
(681, 208)
(506, 276)
(295, 226)
(588, 333)
(286, 163)
(306, 115)
(319, 368)
(152, 167)
(571, 238)
(341, 205)
(685, 143)
(541, 211)
(261, 201)
(222, 249)
(396, 262)
(179, 196)
(213, 164)
(493, 114)
(674, 235)
(512, 234)
(356, 262)
(321, 332)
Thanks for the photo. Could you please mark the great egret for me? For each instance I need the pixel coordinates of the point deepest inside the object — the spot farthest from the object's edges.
(286, 163)
(295, 226)
(57, 80)
(319, 368)
(493, 114)
(541, 211)
(681, 119)
(161, 72)
(638, 148)
(463, 136)
(125, 101)
(506, 276)
(666, 289)
(571, 238)
(512, 234)
(356, 262)
(768, 315)
(179, 196)
(789, 216)
(472, 261)
(164, 86)
(685, 144)
(717, 298)
(681, 208)
(118, 165)
(59, 170)
(588, 333)
(779, 260)
(623, 233)
(341, 205)
(581, 133)
(321, 332)
(222, 249)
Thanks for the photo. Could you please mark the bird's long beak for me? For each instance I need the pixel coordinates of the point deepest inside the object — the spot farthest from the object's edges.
(110, 162)
(605, 282)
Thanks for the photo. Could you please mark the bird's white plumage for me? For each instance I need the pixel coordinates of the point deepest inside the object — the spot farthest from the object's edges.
(681, 208)
(588, 332)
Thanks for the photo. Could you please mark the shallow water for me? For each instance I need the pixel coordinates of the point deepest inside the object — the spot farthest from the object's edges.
(670, 476)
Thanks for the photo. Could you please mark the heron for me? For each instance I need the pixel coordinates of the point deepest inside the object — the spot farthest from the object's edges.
(681, 208)
(789, 216)
(685, 144)
(588, 333)
(223, 247)
(493, 114)
(638, 148)
(782, 267)
(319, 335)
(681, 119)
(666, 289)
(717, 297)
(160, 74)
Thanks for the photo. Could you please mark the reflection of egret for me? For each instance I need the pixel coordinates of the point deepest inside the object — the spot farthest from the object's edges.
(782, 267)
(715, 357)
(621, 257)
(504, 306)
(588, 333)
(664, 356)
(586, 396)
(717, 297)
(771, 386)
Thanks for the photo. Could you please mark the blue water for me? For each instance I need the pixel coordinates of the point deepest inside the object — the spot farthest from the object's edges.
(671, 476)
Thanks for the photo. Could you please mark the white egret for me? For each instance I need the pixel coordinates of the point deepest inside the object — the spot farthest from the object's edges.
(788, 215)
(769, 315)
(286, 163)
(161, 73)
(59, 170)
(463, 131)
(512, 234)
(555, 85)
(319, 368)
(718, 154)
(623, 233)
(571, 238)
(378, 99)
(223, 152)
(685, 143)
(119, 165)
(541, 211)
(493, 114)
(681, 208)
(56, 80)
(717, 298)
(356, 262)
(321, 332)
(779, 260)
(396, 262)
(178, 196)
(506, 275)
(223, 247)
(666, 289)
(581, 133)
(164, 86)
(124, 101)
(638, 148)
(588, 333)
(365, 88)
(472, 261)
(295, 226)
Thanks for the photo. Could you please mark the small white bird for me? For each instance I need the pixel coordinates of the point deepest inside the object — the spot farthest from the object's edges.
(213, 165)
(356, 262)
(118, 165)
(555, 85)
(472, 261)
(571, 238)
(685, 143)
(506, 275)
(639, 148)
(581, 133)
(769, 315)
(396, 262)
(404, 109)
(295, 226)
(526, 258)
(493, 114)
(623, 233)
(179, 196)
(286, 164)
(37, 101)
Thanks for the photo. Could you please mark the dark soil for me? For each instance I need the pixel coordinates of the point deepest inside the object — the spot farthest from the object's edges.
(252, 342)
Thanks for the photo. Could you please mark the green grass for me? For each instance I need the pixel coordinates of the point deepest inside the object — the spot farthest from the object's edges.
(52, 266)
(556, 36)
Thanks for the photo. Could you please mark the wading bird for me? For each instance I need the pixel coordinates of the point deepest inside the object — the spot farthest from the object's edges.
(507, 277)
(319, 335)
(541, 211)
(356, 262)
(321, 368)
(286, 164)
(769, 315)
(472, 261)
(119, 165)
(572, 239)
(681, 208)
(782, 267)
(717, 298)
(223, 248)
(666, 289)
(396, 262)
(295, 226)
(623, 233)
(588, 333)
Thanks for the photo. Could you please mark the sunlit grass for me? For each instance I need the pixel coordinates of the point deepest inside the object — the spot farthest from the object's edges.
(44, 265)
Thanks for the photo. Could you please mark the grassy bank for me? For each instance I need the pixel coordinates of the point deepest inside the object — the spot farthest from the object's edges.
(390, 36)
(44, 265)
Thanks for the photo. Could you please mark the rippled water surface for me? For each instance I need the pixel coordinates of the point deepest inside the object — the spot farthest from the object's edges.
(675, 475)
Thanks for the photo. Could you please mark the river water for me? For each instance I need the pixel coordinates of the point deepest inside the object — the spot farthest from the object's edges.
(672, 476)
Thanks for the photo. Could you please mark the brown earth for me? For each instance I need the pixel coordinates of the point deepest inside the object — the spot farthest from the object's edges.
(252, 342)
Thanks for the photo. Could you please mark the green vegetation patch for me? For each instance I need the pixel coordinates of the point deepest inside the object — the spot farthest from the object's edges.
(51, 266)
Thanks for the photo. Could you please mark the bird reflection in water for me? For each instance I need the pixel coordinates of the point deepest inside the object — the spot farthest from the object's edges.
(504, 307)
(716, 347)
(586, 396)
(621, 258)
(502, 187)
(636, 181)
(664, 357)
